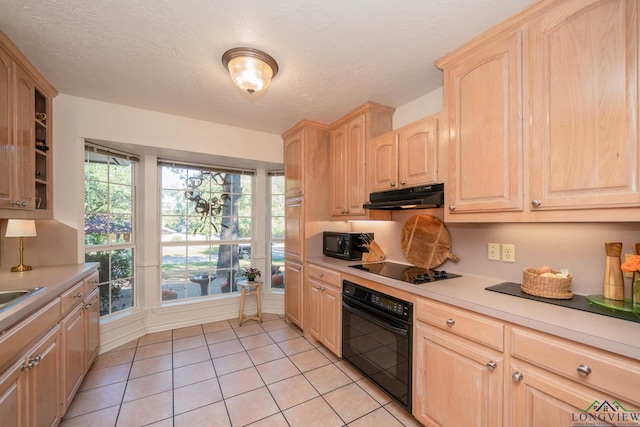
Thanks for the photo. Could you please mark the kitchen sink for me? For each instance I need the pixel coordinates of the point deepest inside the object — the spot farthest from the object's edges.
(11, 298)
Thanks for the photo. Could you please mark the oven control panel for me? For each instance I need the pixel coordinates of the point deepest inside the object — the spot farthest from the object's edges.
(389, 304)
(398, 308)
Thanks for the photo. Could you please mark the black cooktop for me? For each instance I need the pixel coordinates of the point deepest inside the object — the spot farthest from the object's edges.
(406, 273)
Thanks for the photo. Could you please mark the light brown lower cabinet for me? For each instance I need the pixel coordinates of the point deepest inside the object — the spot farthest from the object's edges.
(73, 339)
(38, 383)
(324, 307)
(456, 382)
(462, 376)
(30, 391)
(542, 398)
(92, 327)
(557, 382)
(294, 293)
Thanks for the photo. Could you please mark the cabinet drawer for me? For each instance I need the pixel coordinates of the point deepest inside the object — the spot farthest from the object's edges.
(91, 282)
(615, 374)
(475, 327)
(325, 275)
(71, 297)
(16, 339)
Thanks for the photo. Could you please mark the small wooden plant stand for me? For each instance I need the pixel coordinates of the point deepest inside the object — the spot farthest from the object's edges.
(250, 288)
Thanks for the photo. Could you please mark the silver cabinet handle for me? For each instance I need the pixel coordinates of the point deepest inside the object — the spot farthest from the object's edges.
(491, 365)
(536, 203)
(451, 322)
(78, 295)
(517, 377)
(452, 208)
(320, 274)
(584, 370)
(403, 182)
(23, 204)
(392, 184)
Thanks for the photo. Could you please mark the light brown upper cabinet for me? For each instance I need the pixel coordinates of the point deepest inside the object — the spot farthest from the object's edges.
(543, 113)
(349, 137)
(25, 137)
(483, 99)
(583, 92)
(406, 157)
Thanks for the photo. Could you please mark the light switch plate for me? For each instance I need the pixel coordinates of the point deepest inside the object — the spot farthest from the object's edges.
(494, 251)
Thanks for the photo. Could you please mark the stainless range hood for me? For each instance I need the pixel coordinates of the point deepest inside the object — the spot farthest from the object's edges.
(423, 197)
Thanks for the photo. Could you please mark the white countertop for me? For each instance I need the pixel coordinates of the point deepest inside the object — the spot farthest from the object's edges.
(56, 279)
(604, 332)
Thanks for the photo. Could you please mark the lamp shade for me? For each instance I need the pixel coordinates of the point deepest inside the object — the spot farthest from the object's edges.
(250, 69)
(21, 228)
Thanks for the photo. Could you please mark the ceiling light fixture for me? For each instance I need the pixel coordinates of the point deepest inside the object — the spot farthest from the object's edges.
(250, 69)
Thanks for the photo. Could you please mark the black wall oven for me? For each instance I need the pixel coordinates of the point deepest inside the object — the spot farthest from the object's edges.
(376, 339)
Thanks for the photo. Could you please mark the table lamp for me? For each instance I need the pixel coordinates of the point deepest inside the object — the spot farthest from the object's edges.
(21, 228)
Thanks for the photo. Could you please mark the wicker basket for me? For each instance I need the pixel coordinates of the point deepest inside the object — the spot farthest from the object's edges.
(546, 287)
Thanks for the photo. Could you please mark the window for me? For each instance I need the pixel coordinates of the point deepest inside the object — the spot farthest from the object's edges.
(276, 185)
(109, 233)
(206, 223)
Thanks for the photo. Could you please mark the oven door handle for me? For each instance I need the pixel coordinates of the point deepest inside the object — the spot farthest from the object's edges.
(370, 318)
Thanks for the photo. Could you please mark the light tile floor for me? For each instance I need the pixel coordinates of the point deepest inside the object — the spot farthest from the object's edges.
(221, 374)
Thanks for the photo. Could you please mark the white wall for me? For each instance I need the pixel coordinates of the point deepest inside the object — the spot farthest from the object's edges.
(419, 108)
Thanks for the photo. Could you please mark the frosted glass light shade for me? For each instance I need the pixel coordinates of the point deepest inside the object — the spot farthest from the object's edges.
(250, 69)
(21, 228)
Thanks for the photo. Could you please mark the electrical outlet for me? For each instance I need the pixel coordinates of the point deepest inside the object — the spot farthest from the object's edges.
(494, 251)
(629, 274)
(508, 252)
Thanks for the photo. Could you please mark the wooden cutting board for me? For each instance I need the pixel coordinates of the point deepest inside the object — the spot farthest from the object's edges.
(425, 241)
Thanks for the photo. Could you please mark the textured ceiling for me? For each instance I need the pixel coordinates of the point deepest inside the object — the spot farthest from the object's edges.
(165, 55)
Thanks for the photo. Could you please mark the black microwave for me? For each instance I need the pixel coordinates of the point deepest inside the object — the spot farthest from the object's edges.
(344, 245)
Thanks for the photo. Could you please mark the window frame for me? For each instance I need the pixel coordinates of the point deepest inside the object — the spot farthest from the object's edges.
(112, 247)
(271, 240)
(188, 281)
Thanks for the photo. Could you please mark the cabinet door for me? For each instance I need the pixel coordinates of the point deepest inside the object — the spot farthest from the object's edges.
(332, 319)
(92, 327)
(45, 398)
(294, 229)
(74, 354)
(484, 104)
(382, 163)
(13, 396)
(25, 171)
(583, 63)
(542, 399)
(457, 383)
(6, 129)
(418, 154)
(293, 294)
(339, 176)
(355, 182)
(314, 313)
(293, 165)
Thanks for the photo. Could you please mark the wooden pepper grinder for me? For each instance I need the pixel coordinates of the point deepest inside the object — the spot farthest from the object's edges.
(613, 279)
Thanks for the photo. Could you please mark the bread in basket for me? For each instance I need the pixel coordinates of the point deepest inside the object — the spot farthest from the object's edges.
(545, 286)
